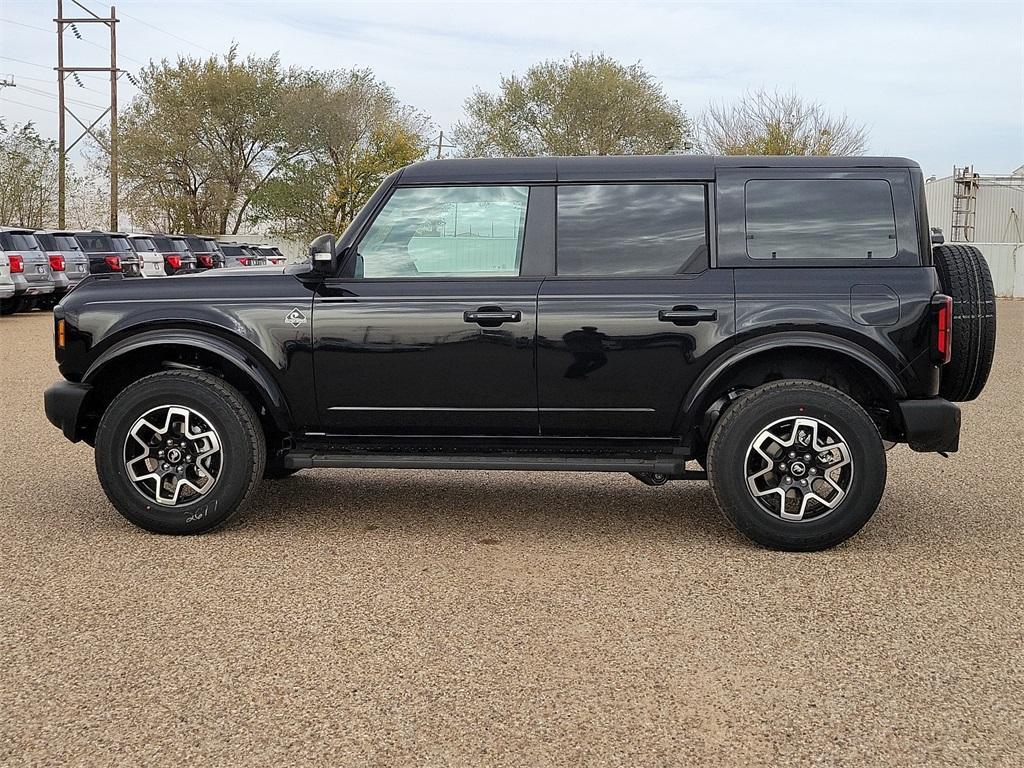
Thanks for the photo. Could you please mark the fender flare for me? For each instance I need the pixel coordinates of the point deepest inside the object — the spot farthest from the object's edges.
(245, 362)
(747, 349)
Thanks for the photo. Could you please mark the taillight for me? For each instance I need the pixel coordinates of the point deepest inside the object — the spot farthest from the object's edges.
(943, 309)
(205, 260)
(174, 260)
(17, 263)
(275, 262)
(244, 261)
(56, 262)
(114, 262)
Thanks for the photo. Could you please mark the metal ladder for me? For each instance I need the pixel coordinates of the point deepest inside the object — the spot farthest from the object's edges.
(965, 204)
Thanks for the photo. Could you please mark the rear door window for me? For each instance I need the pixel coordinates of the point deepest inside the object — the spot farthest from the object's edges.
(92, 243)
(632, 229)
(820, 219)
(143, 244)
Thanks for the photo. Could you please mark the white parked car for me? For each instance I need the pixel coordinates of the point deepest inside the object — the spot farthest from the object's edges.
(151, 261)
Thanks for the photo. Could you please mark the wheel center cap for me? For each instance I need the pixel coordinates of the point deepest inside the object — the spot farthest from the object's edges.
(797, 469)
(174, 455)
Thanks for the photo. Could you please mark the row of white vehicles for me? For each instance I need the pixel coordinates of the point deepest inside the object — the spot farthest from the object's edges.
(38, 267)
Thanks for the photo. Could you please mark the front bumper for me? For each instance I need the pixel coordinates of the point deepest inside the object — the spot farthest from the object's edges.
(63, 404)
(931, 425)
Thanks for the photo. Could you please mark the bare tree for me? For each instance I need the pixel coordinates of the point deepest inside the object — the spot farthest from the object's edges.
(774, 123)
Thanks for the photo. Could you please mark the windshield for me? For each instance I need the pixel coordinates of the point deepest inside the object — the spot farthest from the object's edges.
(66, 243)
(143, 244)
(95, 243)
(163, 244)
(179, 244)
(16, 241)
(232, 250)
(196, 244)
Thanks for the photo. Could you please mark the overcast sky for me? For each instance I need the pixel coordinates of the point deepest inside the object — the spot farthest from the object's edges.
(941, 82)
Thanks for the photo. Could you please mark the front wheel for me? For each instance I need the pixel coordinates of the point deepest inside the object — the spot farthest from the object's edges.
(797, 465)
(179, 452)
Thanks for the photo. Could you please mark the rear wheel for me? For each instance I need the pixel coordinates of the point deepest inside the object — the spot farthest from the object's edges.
(179, 452)
(796, 465)
(965, 276)
(9, 306)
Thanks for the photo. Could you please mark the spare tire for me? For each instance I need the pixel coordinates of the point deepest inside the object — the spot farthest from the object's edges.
(965, 277)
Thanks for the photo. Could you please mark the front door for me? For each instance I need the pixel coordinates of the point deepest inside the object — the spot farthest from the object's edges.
(626, 324)
(434, 331)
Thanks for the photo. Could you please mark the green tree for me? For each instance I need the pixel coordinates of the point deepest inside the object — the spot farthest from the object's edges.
(203, 137)
(773, 123)
(357, 133)
(28, 177)
(590, 105)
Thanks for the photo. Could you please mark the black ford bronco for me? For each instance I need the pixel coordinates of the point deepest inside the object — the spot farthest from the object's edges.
(777, 322)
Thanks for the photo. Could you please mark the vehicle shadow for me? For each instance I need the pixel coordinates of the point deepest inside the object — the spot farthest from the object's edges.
(486, 505)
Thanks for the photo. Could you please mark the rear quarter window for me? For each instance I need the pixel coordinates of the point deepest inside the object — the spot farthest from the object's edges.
(820, 219)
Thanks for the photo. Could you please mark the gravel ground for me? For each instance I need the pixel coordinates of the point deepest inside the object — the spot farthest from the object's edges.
(441, 618)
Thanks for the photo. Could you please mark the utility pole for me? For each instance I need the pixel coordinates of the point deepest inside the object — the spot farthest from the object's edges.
(441, 145)
(62, 73)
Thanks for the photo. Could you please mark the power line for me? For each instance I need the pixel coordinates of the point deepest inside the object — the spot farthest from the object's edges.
(27, 26)
(30, 106)
(41, 92)
(80, 39)
(171, 34)
(22, 61)
(50, 82)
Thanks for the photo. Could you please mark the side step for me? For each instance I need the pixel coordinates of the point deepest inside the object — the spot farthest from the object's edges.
(672, 466)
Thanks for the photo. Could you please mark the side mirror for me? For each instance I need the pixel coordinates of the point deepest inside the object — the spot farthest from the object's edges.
(321, 252)
(937, 236)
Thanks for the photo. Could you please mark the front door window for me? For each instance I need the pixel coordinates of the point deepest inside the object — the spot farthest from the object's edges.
(432, 232)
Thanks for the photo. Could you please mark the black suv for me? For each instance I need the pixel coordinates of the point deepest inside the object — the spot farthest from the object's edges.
(775, 321)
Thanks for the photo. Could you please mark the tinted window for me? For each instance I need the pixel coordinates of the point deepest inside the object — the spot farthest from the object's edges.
(67, 243)
(446, 231)
(18, 242)
(47, 242)
(179, 244)
(143, 244)
(121, 244)
(631, 229)
(95, 243)
(197, 244)
(820, 219)
(163, 244)
(232, 250)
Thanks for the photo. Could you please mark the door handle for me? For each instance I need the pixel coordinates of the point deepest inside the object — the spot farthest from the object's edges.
(491, 317)
(686, 315)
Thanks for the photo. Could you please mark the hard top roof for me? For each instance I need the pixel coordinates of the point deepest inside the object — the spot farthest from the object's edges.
(527, 170)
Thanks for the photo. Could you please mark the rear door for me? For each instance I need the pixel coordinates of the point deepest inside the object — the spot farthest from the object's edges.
(432, 331)
(633, 311)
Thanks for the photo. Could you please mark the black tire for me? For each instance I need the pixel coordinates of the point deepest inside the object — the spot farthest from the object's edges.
(763, 406)
(965, 276)
(9, 306)
(242, 455)
(27, 304)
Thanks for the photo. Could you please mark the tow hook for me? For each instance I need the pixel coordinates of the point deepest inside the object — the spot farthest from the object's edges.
(650, 478)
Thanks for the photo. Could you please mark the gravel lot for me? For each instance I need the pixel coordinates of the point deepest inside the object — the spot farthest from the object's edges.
(441, 618)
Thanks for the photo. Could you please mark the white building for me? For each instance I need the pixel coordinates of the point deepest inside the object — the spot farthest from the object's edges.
(998, 223)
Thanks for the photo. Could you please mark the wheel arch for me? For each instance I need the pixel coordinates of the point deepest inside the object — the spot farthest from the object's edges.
(842, 363)
(138, 355)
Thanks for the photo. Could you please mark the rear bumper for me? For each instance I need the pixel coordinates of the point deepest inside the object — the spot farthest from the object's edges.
(931, 425)
(63, 404)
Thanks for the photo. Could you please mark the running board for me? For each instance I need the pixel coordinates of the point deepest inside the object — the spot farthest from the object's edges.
(673, 466)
